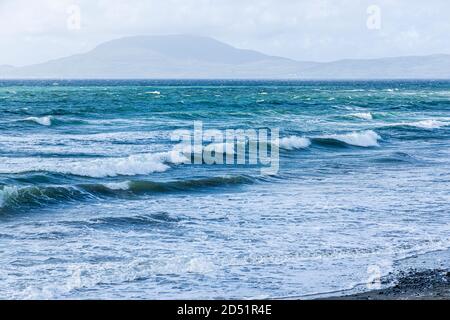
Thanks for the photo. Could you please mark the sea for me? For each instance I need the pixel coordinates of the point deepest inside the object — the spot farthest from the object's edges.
(97, 201)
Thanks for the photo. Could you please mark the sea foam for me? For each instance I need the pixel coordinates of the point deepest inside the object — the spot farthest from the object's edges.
(137, 164)
(118, 185)
(43, 121)
(427, 124)
(366, 138)
(294, 142)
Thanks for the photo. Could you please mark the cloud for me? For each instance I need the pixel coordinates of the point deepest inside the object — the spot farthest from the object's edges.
(33, 31)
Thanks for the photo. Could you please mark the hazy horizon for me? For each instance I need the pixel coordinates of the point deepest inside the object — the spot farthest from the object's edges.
(307, 30)
(195, 35)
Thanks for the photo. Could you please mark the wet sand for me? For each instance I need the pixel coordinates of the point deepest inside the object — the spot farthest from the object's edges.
(411, 285)
(421, 277)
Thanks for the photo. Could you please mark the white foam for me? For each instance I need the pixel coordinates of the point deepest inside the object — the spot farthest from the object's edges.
(43, 121)
(200, 265)
(154, 92)
(363, 115)
(125, 185)
(138, 164)
(294, 142)
(367, 138)
(427, 124)
(111, 167)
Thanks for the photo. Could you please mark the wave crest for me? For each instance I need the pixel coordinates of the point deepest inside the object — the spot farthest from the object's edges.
(43, 121)
(294, 142)
(427, 124)
(362, 115)
(366, 138)
(138, 164)
(32, 196)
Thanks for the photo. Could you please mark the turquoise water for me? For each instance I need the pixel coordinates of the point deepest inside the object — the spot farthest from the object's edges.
(94, 204)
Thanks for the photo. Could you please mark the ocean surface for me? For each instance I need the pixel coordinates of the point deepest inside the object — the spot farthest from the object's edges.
(94, 203)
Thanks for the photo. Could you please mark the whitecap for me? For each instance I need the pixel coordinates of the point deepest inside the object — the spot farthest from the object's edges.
(423, 124)
(125, 185)
(294, 142)
(111, 167)
(427, 124)
(367, 138)
(137, 164)
(43, 121)
(154, 92)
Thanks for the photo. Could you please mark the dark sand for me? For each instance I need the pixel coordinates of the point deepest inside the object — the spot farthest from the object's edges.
(411, 285)
(421, 277)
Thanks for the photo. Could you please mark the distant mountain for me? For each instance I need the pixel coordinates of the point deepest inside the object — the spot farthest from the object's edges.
(418, 67)
(177, 56)
(6, 68)
(183, 56)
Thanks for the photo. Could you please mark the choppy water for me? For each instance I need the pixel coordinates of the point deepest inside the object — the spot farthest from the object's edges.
(94, 205)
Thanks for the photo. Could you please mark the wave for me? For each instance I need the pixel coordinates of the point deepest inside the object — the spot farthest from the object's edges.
(219, 147)
(6, 193)
(427, 124)
(422, 124)
(145, 220)
(362, 115)
(14, 197)
(396, 157)
(43, 121)
(143, 186)
(294, 142)
(287, 143)
(366, 138)
(138, 164)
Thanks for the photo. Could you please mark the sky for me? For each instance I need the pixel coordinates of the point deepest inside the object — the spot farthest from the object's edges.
(33, 31)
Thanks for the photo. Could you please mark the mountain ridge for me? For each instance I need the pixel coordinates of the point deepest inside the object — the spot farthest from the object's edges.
(192, 57)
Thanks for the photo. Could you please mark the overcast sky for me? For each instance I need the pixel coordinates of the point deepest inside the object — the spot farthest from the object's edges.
(33, 31)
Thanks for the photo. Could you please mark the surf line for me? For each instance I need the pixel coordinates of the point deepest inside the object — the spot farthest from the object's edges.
(232, 144)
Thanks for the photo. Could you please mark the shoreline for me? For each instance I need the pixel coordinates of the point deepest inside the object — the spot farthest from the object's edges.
(421, 277)
(412, 285)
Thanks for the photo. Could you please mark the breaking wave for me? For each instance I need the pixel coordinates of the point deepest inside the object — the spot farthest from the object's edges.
(139, 164)
(32, 196)
(368, 138)
(43, 121)
(294, 142)
(362, 115)
(427, 124)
